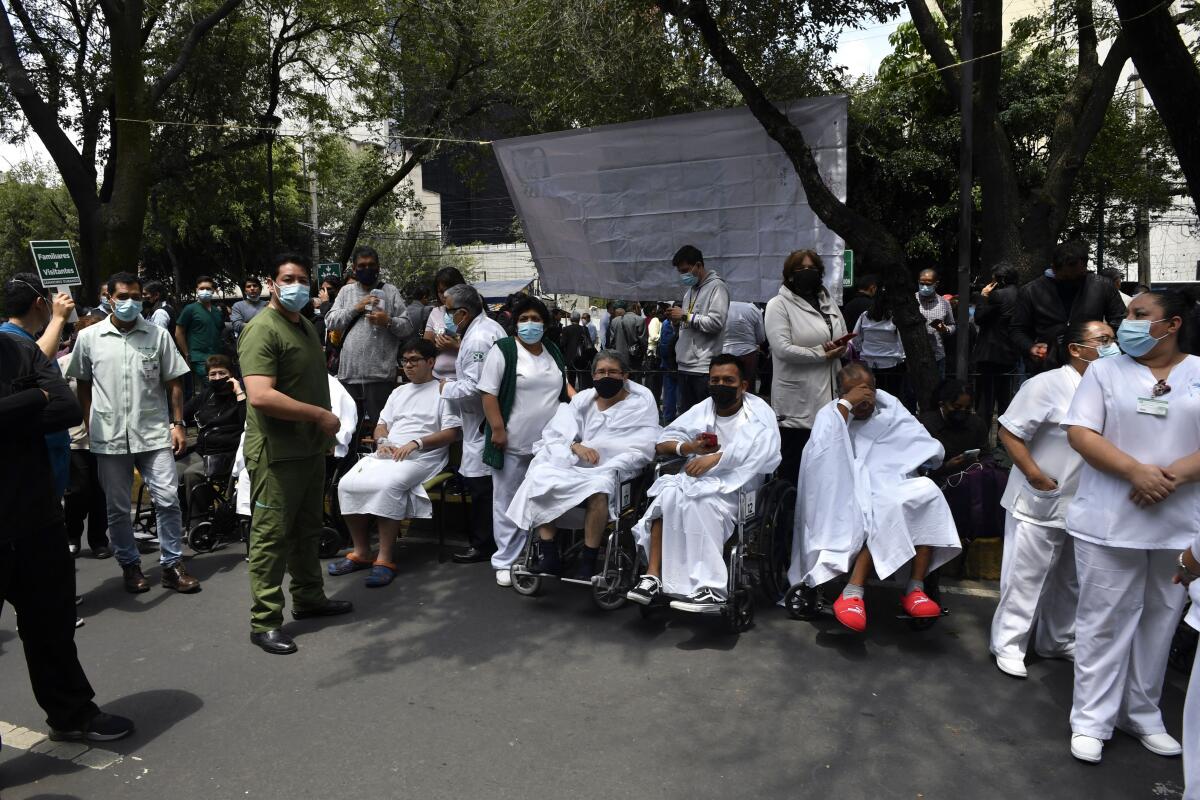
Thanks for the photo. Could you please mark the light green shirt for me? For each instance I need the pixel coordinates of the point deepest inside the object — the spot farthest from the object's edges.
(129, 373)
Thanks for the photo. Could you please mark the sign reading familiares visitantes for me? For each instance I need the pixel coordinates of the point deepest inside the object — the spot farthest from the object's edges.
(55, 263)
(328, 270)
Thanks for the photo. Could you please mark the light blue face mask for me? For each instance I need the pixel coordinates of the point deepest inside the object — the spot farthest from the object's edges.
(127, 310)
(688, 279)
(926, 289)
(1105, 351)
(448, 322)
(293, 296)
(204, 294)
(1134, 336)
(1049, 272)
(530, 332)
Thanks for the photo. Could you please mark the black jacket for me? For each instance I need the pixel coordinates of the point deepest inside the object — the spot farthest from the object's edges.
(26, 416)
(1039, 316)
(993, 318)
(221, 419)
(576, 347)
(855, 307)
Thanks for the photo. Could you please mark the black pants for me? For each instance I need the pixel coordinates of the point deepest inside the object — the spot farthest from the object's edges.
(480, 534)
(692, 388)
(370, 399)
(37, 578)
(84, 502)
(994, 388)
(791, 446)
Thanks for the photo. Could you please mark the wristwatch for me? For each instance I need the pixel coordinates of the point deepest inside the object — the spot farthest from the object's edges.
(1184, 568)
(177, 423)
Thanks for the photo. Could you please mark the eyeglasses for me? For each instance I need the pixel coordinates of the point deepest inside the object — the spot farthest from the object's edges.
(1160, 389)
(1101, 340)
(608, 373)
(412, 362)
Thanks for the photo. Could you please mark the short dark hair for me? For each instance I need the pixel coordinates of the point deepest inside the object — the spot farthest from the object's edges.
(447, 277)
(364, 251)
(299, 259)
(334, 282)
(530, 303)
(155, 287)
(866, 281)
(687, 255)
(1069, 253)
(251, 279)
(127, 278)
(422, 347)
(204, 279)
(21, 292)
(218, 361)
(1113, 274)
(1005, 274)
(950, 390)
(724, 359)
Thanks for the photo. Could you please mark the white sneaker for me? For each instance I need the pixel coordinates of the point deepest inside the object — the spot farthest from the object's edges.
(1086, 748)
(1065, 654)
(1161, 744)
(1012, 666)
(504, 577)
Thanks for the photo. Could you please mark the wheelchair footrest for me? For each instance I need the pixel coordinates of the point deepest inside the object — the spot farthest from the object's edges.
(902, 615)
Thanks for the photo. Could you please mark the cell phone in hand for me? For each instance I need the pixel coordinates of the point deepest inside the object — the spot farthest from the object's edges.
(843, 340)
(971, 454)
(708, 439)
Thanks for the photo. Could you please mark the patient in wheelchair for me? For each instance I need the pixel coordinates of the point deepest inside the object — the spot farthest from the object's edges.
(219, 411)
(412, 437)
(603, 436)
(731, 441)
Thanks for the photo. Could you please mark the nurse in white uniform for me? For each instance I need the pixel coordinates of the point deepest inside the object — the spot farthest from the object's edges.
(1188, 570)
(1135, 420)
(1037, 578)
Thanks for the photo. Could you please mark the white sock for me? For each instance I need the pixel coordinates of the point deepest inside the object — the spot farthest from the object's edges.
(853, 591)
(914, 586)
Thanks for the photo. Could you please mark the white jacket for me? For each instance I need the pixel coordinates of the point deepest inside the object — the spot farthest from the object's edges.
(803, 379)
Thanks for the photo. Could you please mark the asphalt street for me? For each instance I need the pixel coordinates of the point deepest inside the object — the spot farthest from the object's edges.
(446, 686)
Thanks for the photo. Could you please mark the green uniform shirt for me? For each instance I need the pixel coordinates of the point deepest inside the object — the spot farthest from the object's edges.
(291, 353)
(202, 328)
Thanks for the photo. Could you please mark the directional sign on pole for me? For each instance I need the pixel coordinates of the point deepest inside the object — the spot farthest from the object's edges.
(848, 268)
(55, 263)
(328, 270)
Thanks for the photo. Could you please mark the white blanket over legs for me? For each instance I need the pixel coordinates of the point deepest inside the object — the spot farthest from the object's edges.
(857, 487)
(699, 514)
(558, 481)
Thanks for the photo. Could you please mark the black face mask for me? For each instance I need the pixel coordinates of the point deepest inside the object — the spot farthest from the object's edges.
(723, 397)
(220, 385)
(608, 387)
(366, 277)
(957, 417)
(804, 282)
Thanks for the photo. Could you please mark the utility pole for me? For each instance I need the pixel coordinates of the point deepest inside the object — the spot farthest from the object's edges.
(313, 217)
(1145, 275)
(966, 77)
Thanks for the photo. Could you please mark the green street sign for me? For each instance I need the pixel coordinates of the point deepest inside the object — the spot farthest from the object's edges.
(328, 270)
(847, 268)
(55, 263)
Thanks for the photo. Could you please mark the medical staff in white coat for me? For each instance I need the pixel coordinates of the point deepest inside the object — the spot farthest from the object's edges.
(522, 384)
(605, 435)
(412, 438)
(692, 513)
(1187, 570)
(1037, 576)
(465, 317)
(1135, 420)
(861, 504)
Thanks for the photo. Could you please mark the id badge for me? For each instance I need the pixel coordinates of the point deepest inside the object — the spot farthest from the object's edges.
(1154, 406)
(150, 369)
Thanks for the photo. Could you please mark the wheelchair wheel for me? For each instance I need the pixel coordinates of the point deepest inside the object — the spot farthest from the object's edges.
(775, 542)
(527, 585)
(610, 586)
(739, 613)
(331, 542)
(202, 537)
(803, 602)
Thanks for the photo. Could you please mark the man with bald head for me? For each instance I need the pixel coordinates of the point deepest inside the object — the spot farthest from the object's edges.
(862, 503)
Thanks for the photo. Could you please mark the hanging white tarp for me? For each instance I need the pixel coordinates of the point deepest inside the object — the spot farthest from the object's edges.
(605, 208)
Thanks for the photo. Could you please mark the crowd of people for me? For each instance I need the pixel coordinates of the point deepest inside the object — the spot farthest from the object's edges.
(543, 414)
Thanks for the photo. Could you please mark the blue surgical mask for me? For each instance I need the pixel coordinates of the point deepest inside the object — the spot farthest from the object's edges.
(204, 294)
(1109, 350)
(448, 323)
(293, 296)
(127, 310)
(1134, 336)
(688, 279)
(926, 290)
(530, 332)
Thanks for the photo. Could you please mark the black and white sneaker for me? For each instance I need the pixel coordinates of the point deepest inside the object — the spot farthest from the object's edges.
(703, 601)
(646, 592)
(102, 728)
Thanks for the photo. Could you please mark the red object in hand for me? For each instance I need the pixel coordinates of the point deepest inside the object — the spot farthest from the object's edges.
(708, 439)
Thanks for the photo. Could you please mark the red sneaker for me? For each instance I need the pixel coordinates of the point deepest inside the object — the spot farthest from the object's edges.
(851, 612)
(918, 605)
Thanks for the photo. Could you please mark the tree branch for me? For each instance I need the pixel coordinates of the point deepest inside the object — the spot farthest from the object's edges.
(943, 57)
(195, 35)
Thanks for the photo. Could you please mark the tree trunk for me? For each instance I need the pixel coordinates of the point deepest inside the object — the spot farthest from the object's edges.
(382, 190)
(1170, 75)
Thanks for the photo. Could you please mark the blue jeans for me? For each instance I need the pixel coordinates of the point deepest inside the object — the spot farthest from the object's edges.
(157, 468)
(669, 396)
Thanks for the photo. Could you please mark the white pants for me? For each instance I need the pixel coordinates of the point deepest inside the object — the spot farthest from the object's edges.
(1128, 610)
(1191, 734)
(1037, 582)
(510, 538)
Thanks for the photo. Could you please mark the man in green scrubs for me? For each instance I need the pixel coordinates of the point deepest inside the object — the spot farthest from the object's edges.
(198, 330)
(289, 428)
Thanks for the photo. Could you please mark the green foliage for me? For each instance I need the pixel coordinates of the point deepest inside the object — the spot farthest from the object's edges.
(33, 205)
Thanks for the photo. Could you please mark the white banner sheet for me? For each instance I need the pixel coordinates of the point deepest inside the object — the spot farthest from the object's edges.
(605, 208)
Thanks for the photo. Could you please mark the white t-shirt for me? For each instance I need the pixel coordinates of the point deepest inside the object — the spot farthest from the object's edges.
(1107, 402)
(727, 427)
(416, 410)
(539, 382)
(1034, 416)
(443, 367)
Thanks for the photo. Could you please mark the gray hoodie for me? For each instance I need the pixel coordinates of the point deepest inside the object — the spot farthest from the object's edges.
(706, 307)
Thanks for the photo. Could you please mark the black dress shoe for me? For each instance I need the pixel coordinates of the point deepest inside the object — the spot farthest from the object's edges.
(102, 552)
(275, 642)
(472, 555)
(331, 609)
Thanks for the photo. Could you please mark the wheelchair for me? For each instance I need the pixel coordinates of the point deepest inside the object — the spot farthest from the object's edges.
(757, 553)
(335, 536)
(212, 519)
(808, 603)
(616, 572)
